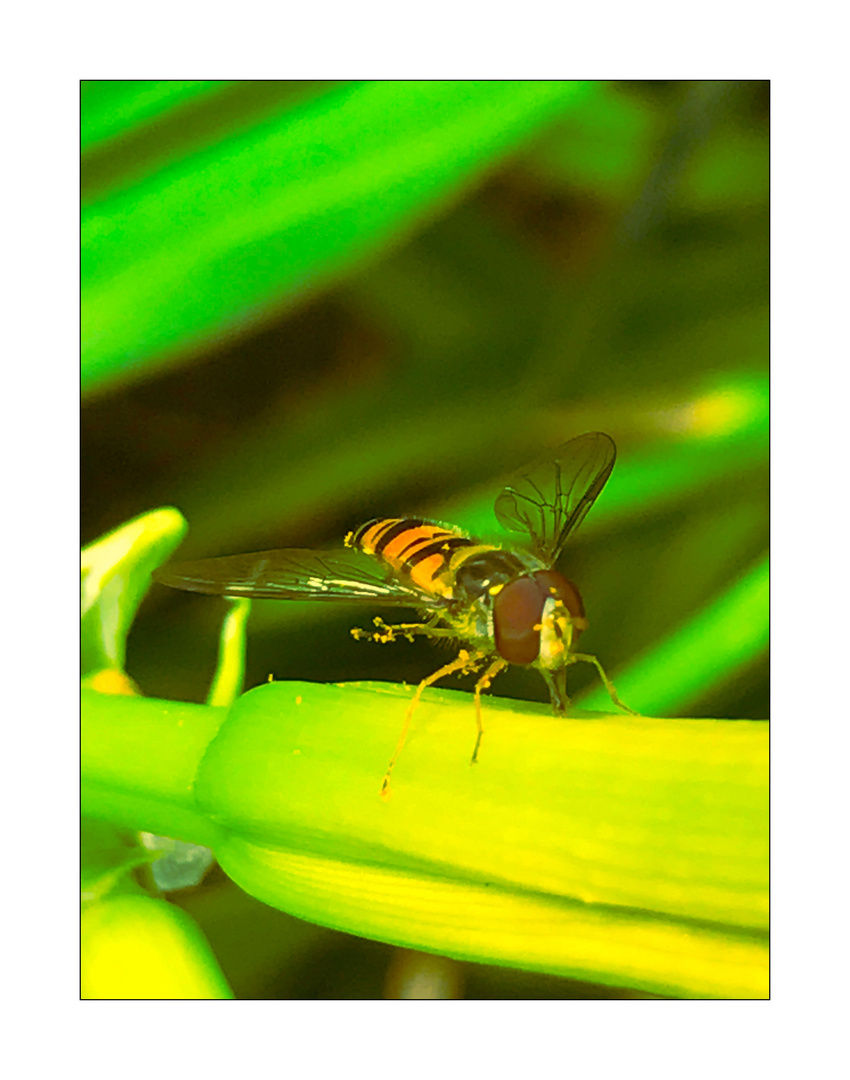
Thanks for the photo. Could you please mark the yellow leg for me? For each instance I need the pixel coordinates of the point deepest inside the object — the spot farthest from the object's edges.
(482, 684)
(466, 662)
(386, 633)
(609, 686)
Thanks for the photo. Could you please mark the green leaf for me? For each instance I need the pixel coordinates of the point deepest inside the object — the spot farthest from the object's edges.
(115, 575)
(139, 758)
(108, 107)
(630, 851)
(230, 670)
(220, 240)
(139, 948)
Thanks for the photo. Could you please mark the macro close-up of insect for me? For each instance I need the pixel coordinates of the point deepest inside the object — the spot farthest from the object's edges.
(380, 346)
(504, 605)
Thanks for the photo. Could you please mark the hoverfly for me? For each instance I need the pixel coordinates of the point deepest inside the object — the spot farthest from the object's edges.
(506, 605)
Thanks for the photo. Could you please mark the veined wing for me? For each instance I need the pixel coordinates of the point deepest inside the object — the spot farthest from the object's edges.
(342, 575)
(548, 499)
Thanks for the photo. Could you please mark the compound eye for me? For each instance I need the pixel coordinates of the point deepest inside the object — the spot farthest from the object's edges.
(517, 611)
(557, 585)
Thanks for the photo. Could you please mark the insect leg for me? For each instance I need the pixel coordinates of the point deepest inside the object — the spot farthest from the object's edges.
(609, 686)
(482, 684)
(386, 633)
(466, 662)
(557, 683)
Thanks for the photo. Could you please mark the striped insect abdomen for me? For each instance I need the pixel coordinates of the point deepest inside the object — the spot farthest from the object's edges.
(417, 550)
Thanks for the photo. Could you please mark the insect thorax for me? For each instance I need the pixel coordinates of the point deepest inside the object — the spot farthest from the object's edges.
(478, 574)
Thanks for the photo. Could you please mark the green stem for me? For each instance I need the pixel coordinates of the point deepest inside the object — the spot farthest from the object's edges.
(139, 757)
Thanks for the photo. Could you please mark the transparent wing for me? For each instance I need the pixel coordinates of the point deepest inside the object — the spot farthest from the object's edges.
(549, 498)
(295, 574)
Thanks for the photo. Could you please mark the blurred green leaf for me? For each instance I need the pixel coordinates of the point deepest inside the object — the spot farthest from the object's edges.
(230, 672)
(605, 148)
(133, 130)
(139, 948)
(115, 575)
(108, 107)
(216, 243)
(732, 166)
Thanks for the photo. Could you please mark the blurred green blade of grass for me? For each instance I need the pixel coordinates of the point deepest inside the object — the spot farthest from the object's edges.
(134, 130)
(113, 107)
(726, 635)
(218, 242)
(632, 851)
(459, 395)
(229, 678)
(439, 395)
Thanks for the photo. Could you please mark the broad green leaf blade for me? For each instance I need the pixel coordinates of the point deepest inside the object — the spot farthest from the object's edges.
(594, 847)
(631, 851)
(222, 239)
(115, 575)
(480, 922)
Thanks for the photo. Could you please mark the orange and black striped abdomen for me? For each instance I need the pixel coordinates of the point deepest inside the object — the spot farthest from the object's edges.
(415, 549)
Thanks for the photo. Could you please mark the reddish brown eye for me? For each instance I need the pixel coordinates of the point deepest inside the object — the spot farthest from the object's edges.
(518, 609)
